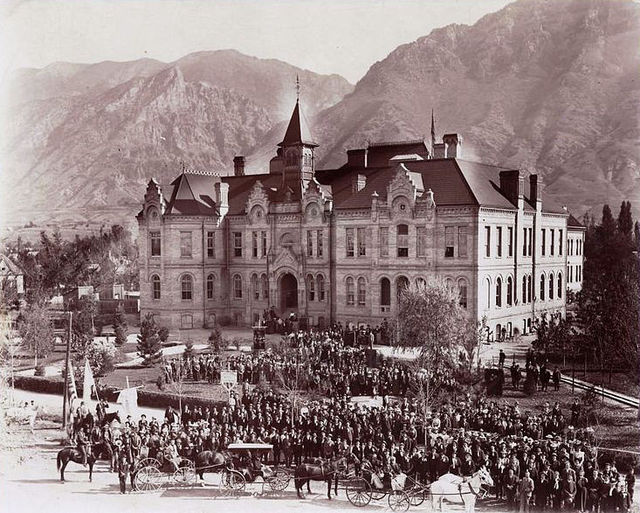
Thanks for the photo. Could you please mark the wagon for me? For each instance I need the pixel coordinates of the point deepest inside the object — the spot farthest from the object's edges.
(361, 490)
(150, 474)
(246, 460)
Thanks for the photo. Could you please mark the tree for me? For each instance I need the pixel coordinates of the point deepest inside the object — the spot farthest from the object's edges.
(215, 339)
(101, 356)
(36, 330)
(120, 325)
(625, 221)
(291, 379)
(163, 333)
(149, 345)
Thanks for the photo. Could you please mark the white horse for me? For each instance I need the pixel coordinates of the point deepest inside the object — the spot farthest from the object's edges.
(459, 490)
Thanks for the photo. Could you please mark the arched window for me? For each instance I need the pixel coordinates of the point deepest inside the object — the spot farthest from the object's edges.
(559, 285)
(524, 290)
(255, 286)
(499, 292)
(237, 286)
(542, 286)
(155, 286)
(362, 292)
(462, 292)
(551, 285)
(385, 292)
(421, 282)
(265, 287)
(401, 283)
(529, 288)
(351, 295)
(488, 287)
(311, 288)
(210, 286)
(509, 291)
(187, 287)
(402, 240)
(320, 282)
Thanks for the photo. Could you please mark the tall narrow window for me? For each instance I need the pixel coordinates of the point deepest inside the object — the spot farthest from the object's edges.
(551, 285)
(462, 293)
(255, 286)
(186, 285)
(499, 292)
(524, 290)
(350, 243)
(449, 236)
(211, 244)
(402, 240)
(385, 294)
(320, 280)
(156, 246)
(210, 286)
(237, 286)
(237, 244)
(509, 291)
(559, 285)
(319, 243)
(560, 242)
(265, 287)
(185, 244)
(254, 244)
(384, 241)
(487, 241)
(487, 285)
(499, 242)
(362, 242)
(543, 243)
(530, 241)
(362, 292)
(263, 243)
(156, 286)
(529, 288)
(542, 287)
(524, 242)
(421, 243)
(510, 241)
(462, 241)
(309, 243)
(552, 247)
(570, 247)
(351, 296)
(311, 288)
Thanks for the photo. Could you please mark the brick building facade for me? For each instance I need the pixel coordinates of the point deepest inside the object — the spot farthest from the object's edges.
(339, 244)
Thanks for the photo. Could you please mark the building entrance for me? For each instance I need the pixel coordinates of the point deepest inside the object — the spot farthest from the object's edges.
(288, 292)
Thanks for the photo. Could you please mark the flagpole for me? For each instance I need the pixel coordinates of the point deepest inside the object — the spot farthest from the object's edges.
(66, 375)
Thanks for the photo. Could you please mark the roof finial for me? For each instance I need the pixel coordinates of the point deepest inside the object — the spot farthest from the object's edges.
(297, 88)
(433, 133)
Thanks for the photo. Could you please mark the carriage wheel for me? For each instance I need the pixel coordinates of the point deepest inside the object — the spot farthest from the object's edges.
(148, 479)
(417, 496)
(233, 480)
(279, 480)
(398, 501)
(148, 462)
(185, 475)
(358, 492)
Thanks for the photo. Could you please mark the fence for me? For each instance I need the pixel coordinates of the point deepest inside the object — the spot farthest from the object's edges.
(131, 306)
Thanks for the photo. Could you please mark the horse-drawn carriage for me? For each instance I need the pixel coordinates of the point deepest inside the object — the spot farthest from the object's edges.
(246, 459)
(150, 473)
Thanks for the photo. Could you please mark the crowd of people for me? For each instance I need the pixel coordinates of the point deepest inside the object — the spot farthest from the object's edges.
(535, 458)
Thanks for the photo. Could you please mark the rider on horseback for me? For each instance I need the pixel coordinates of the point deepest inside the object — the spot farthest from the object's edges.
(82, 443)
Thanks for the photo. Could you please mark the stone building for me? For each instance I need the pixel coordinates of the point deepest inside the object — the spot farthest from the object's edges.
(339, 244)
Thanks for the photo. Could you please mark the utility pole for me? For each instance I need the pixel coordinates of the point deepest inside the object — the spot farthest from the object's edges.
(66, 374)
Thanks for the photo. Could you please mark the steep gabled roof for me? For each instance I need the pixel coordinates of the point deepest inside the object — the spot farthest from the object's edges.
(192, 194)
(298, 130)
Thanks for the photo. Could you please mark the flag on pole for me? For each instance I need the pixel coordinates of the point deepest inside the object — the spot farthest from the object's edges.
(72, 391)
(128, 398)
(89, 383)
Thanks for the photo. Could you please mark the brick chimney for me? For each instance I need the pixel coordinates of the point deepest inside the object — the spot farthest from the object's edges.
(238, 165)
(358, 182)
(357, 158)
(452, 145)
(222, 197)
(512, 185)
(535, 190)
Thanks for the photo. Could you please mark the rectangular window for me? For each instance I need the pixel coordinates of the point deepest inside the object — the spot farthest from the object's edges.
(319, 243)
(309, 243)
(499, 242)
(211, 244)
(237, 244)
(384, 241)
(254, 244)
(350, 243)
(156, 247)
(487, 241)
(544, 242)
(510, 242)
(402, 240)
(448, 241)
(263, 243)
(156, 288)
(421, 243)
(462, 241)
(560, 242)
(185, 244)
(362, 242)
(553, 242)
(530, 240)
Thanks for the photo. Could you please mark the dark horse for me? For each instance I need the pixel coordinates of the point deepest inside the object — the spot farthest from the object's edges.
(208, 461)
(329, 472)
(103, 450)
(70, 454)
(109, 418)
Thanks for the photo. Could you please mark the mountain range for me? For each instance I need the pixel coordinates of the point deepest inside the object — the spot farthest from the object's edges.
(542, 85)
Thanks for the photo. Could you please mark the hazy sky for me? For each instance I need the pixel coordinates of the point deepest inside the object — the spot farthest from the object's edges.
(326, 36)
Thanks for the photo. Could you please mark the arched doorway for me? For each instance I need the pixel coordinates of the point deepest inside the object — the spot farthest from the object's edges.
(288, 292)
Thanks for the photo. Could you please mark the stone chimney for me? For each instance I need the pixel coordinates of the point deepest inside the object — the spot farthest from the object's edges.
(238, 165)
(357, 158)
(438, 151)
(222, 197)
(358, 182)
(535, 191)
(512, 185)
(452, 146)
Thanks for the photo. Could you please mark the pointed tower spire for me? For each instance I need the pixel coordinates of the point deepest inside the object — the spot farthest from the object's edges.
(297, 89)
(433, 133)
(298, 130)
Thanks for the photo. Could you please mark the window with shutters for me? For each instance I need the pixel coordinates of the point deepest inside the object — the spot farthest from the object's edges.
(449, 241)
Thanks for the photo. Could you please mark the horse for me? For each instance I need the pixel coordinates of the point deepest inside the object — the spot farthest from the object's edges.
(208, 460)
(84, 422)
(109, 418)
(321, 471)
(458, 490)
(103, 450)
(70, 454)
